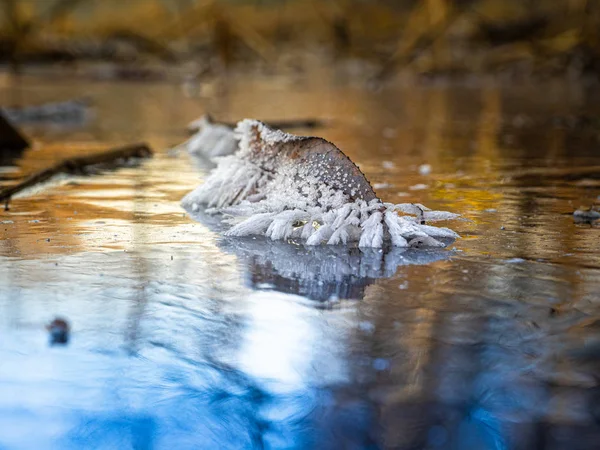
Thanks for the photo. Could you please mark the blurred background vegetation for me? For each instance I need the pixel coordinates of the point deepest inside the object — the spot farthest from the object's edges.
(378, 38)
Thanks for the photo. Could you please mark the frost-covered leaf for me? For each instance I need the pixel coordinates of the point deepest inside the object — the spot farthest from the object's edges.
(284, 186)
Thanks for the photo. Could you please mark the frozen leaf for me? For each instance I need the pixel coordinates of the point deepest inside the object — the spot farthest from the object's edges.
(305, 188)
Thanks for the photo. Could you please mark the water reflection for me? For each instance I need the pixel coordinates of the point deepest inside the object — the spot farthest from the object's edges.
(323, 273)
(241, 369)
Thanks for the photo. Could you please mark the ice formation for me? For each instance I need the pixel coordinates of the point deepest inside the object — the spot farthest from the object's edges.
(210, 139)
(293, 187)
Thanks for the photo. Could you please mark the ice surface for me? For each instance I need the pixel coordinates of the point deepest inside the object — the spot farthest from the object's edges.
(292, 187)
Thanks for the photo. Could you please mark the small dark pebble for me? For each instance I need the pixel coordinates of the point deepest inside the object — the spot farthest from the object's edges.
(59, 331)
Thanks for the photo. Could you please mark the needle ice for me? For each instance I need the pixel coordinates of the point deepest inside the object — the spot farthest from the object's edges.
(211, 139)
(284, 186)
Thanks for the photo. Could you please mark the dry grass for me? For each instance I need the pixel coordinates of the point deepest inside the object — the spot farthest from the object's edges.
(422, 36)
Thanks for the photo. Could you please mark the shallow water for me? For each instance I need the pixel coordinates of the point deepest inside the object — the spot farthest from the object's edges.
(184, 339)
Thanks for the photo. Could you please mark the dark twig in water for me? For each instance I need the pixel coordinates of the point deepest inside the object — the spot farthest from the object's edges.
(77, 165)
(293, 123)
(279, 124)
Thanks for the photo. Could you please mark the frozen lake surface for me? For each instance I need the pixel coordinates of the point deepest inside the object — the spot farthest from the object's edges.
(184, 339)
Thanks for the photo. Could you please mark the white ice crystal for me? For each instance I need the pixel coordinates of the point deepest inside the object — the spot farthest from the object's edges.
(290, 187)
(210, 139)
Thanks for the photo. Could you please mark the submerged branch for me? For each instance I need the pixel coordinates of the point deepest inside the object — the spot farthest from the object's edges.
(286, 187)
(77, 165)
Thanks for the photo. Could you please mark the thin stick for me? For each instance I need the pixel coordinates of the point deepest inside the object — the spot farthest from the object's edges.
(76, 165)
(281, 124)
(293, 123)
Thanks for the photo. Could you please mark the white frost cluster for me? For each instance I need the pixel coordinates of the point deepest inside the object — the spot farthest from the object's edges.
(210, 139)
(261, 192)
